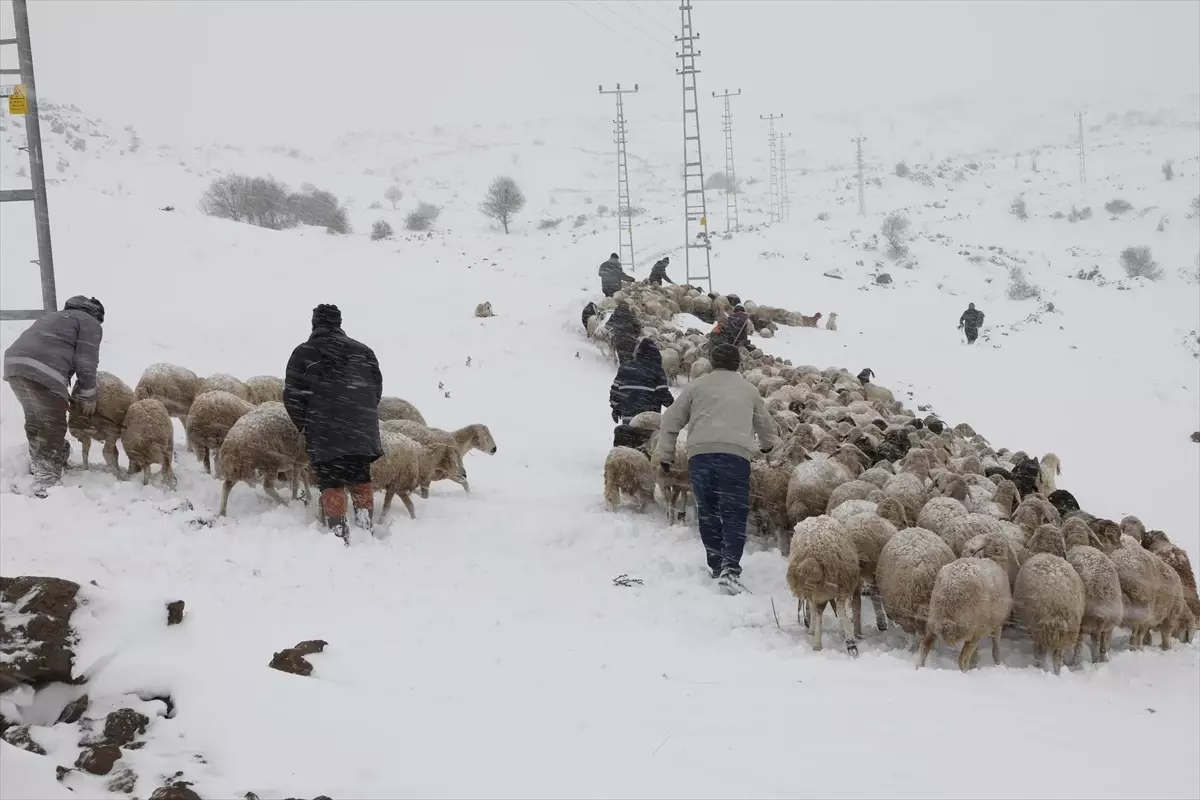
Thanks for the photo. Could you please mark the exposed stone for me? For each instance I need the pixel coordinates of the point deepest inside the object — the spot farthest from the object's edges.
(124, 781)
(37, 649)
(1196, 436)
(310, 646)
(74, 710)
(291, 660)
(175, 612)
(180, 790)
(883, 279)
(99, 760)
(121, 727)
(18, 736)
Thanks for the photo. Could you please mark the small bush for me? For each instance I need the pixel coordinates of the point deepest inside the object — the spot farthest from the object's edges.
(601, 211)
(381, 230)
(1059, 215)
(895, 231)
(1076, 215)
(1019, 287)
(1168, 169)
(393, 195)
(1195, 207)
(313, 206)
(549, 224)
(375, 206)
(1138, 262)
(580, 221)
(422, 217)
(1018, 208)
(823, 216)
(902, 170)
(1117, 207)
(254, 201)
(632, 211)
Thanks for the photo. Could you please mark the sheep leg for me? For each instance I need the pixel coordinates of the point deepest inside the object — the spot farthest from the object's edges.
(295, 482)
(1077, 655)
(85, 444)
(996, 645)
(967, 654)
(926, 645)
(814, 634)
(1165, 633)
(388, 492)
(1058, 660)
(1039, 655)
(109, 452)
(612, 494)
(269, 487)
(202, 453)
(784, 540)
(1135, 638)
(424, 490)
(168, 474)
(226, 487)
(146, 475)
(856, 609)
(846, 616)
(407, 500)
(877, 603)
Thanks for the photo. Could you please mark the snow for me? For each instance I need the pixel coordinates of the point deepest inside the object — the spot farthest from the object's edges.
(483, 649)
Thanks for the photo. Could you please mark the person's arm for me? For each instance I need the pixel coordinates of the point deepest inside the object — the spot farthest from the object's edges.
(616, 393)
(87, 356)
(297, 388)
(764, 426)
(377, 376)
(674, 420)
(662, 392)
(963, 319)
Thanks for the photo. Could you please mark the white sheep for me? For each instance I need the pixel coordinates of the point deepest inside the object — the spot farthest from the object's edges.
(262, 444)
(263, 388)
(425, 435)
(647, 420)
(1049, 598)
(222, 382)
(823, 568)
(172, 385)
(113, 398)
(937, 514)
(908, 567)
(209, 420)
(1149, 588)
(406, 465)
(628, 471)
(701, 366)
(971, 599)
(812, 483)
(1050, 467)
(1103, 608)
(870, 533)
(484, 310)
(148, 438)
(396, 408)
(672, 364)
(675, 485)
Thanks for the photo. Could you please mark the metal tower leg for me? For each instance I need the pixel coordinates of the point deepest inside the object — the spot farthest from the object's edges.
(697, 248)
(624, 206)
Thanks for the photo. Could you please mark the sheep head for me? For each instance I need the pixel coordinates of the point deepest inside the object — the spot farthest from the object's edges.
(1076, 533)
(1152, 540)
(1006, 497)
(1132, 526)
(893, 511)
(957, 489)
(1047, 539)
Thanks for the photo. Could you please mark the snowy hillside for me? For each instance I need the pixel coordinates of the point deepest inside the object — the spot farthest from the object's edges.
(483, 649)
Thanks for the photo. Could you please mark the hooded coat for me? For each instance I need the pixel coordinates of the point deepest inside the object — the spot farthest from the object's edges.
(611, 276)
(735, 330)
(332, 390)
(58, 345)
(641, 384)
(623, 331)
(971, 319)
(658, 273)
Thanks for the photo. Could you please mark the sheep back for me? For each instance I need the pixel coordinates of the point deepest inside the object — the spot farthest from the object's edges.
(1103, 608)
(823, 564)
(173, 385)
(627, 470)
(262, 441)
(1049, 600)
(147, 435)
(222, 382)
(263, 388)
(212, 415)
(113, 398)
(971, 599)
(395, 408)
(908, 567)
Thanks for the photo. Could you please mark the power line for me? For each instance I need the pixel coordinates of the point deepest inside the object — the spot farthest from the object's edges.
(630, 24)
(650, 17)
(615, 31)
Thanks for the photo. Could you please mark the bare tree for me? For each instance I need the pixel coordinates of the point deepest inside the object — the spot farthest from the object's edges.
(393, 195)
(503, 201)
(313, 206)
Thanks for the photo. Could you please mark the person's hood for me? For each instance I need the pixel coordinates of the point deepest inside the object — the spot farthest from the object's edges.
(647, 350)
(89, 305)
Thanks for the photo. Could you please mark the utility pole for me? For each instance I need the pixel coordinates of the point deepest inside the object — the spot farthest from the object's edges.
(26, 94)
(731, 187)
(773, 185)
(624, 209)
(694, 202)
(784, 202)
(862, 197)
(1079, 115)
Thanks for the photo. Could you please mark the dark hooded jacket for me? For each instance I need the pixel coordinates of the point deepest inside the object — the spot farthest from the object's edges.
(735, 330)
(58, 345)
(623, 331)
(641, 384)
(972, 319)
(332, 392)
(658, 273)
(611, 276)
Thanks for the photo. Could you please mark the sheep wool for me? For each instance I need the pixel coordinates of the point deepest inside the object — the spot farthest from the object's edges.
(1103, 608)
(1049, 601)
(406, 465)
(627, 471)
(428, 436)
(823, 568)
(113, 398)
(264, 388)
(395, 408)
(174, 386)
(224, 383)
(148, 438)
(971, 599)
(262, 444)
(908, 567)
(209, 420)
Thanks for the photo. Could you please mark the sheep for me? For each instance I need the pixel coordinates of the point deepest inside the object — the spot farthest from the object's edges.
(676, 484)
(394, 408)
(810, 322)
(208, 421)
(263, 388)
(960, 530)
(908, 567)
(1050, 467)
(484, 310)
(852, 490)
(1149, 589)
(113, 398)
(174, 386)
(812, 483)
(262, 444)
(768, 501)
(1102, 606)
(647, 420)
(1181, 621)
(424, 435)
(909, 488)
(701, 366)
(1034, 511)
(1000, 505)
(938, 513)
(1177, 559)
(627, 470)
(672, 364)
(999, 548)
(1049, 598)
(220, 381)
(876, 475)
(823, 568)
(890, 509)
(148, 438)
(406, 465)
(870, 533)
(854, 508)
(971, 599)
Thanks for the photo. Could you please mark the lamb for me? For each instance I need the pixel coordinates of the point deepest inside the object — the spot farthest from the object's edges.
(1177, 559)
(148, 438)
(1050, 467)
(113, 398)
(676, 484)
(1049, 598)
(1149, 589)
(263, 388)
(209, 420)
(395, 408)
(484, 310)
(908, 568)
(971, 599)
(175, 387)
(1102, 605)
(823, 568)
(406, 465)
(427, 436)
(262, 444)
(225, 383)
(627, 470)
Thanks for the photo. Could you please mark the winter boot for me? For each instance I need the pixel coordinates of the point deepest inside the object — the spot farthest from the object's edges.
(362, 495)
(730, 582)
(333, 507)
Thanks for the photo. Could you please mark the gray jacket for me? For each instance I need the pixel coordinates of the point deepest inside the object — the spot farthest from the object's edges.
(611, 275)
(58, 345)
(722, 412)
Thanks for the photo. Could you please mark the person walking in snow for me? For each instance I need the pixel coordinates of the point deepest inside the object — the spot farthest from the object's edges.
(612, 276)
(640, 385)
(658, 273)
(722, 413)
(331, 392)
(735, 329)
(970, 322)
(39, 365)
(623, 331)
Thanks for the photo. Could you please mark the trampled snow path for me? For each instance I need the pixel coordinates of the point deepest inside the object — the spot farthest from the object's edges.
(482, 649)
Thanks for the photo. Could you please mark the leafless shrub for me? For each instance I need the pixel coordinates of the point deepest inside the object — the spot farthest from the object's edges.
(895, 231)
(1076, 214)
(375, 206)
(632, 211)
(580, 221)
(254, 201)
(1138, 262)
(1195, 207)
(503, 200)
(601, 211)
(902, 170)
(823, 216)
(313, 206)
(422, 217)
(381, 230)
(1117, 207)
(393, 195)
(1019, 287)
(1168, 170)
(549, 224)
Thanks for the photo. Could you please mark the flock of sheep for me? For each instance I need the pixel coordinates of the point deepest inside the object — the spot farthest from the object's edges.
(939, 529)
(245, 429)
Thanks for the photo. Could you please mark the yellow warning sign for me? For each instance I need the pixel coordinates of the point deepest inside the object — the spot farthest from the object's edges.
(704, 221)
(17, 104)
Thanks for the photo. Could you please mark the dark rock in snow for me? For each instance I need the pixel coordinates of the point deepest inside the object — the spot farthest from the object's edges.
(121, 727)
(292, 659)
(99, 760)
(175, 612)
(74, 710)
(18, 736)
(883, 279)
(180, 790)
(35, 630)
(124, 781)
(1196, 437)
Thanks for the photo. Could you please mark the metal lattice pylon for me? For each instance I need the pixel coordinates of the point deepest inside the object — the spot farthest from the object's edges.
(695, 204)
(731, 186)
(862, 195)
(773, 184)
(624, 206)
(785, 205)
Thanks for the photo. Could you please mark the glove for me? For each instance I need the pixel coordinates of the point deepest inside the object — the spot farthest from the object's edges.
(665, 466)
(616, 415)
(86, 407)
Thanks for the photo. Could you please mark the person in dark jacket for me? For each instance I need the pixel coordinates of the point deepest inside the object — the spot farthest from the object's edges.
(734, 330)
(640, 385)
(623, 331)
(39, 365)
(658, 273)
(970, 322)
(612, 276)
(331, 393)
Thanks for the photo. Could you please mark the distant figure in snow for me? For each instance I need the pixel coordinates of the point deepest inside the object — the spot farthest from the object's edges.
(39, 365)
(734, 329)
(722, 413)
(331, 393)
(865, 376)
(612, 276)
(623, 331)
(640, 385)
(970, 322)
(658, 273)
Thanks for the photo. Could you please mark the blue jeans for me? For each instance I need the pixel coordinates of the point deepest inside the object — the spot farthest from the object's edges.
(721, 483)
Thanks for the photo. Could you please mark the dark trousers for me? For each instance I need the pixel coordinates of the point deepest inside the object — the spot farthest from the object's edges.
(721, 483)
(45, 429)
(338, 473)
(972, 334)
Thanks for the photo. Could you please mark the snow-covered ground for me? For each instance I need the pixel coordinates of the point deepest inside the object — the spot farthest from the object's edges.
(483, 648)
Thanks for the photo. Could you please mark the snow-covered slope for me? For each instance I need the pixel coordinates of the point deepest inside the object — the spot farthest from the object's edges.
(483, 648)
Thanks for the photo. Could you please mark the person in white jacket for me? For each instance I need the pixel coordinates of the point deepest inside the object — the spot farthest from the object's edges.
(723, 413)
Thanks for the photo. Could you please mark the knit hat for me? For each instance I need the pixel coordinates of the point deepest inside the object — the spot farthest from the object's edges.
(614, 255)
(326, 316)
(726, 356)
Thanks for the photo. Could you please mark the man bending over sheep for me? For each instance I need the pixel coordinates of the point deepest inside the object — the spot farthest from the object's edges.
(970, 322)
(332, 392)
(722, 412)
(658, 273)
(38, 366)
(612, 276)
(640, 385)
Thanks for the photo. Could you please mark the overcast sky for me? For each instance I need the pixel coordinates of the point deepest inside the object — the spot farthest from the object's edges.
(254, 71)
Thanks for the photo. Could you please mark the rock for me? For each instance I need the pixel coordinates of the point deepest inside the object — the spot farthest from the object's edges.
(310, 646)
(121, 727)
(18, 736)
(124, 781)
(99, 760)
(180, 790)
(1196, 436)
(74, 710)
(35, 630)
(883, 279)
(292, 659)
(175, 612)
